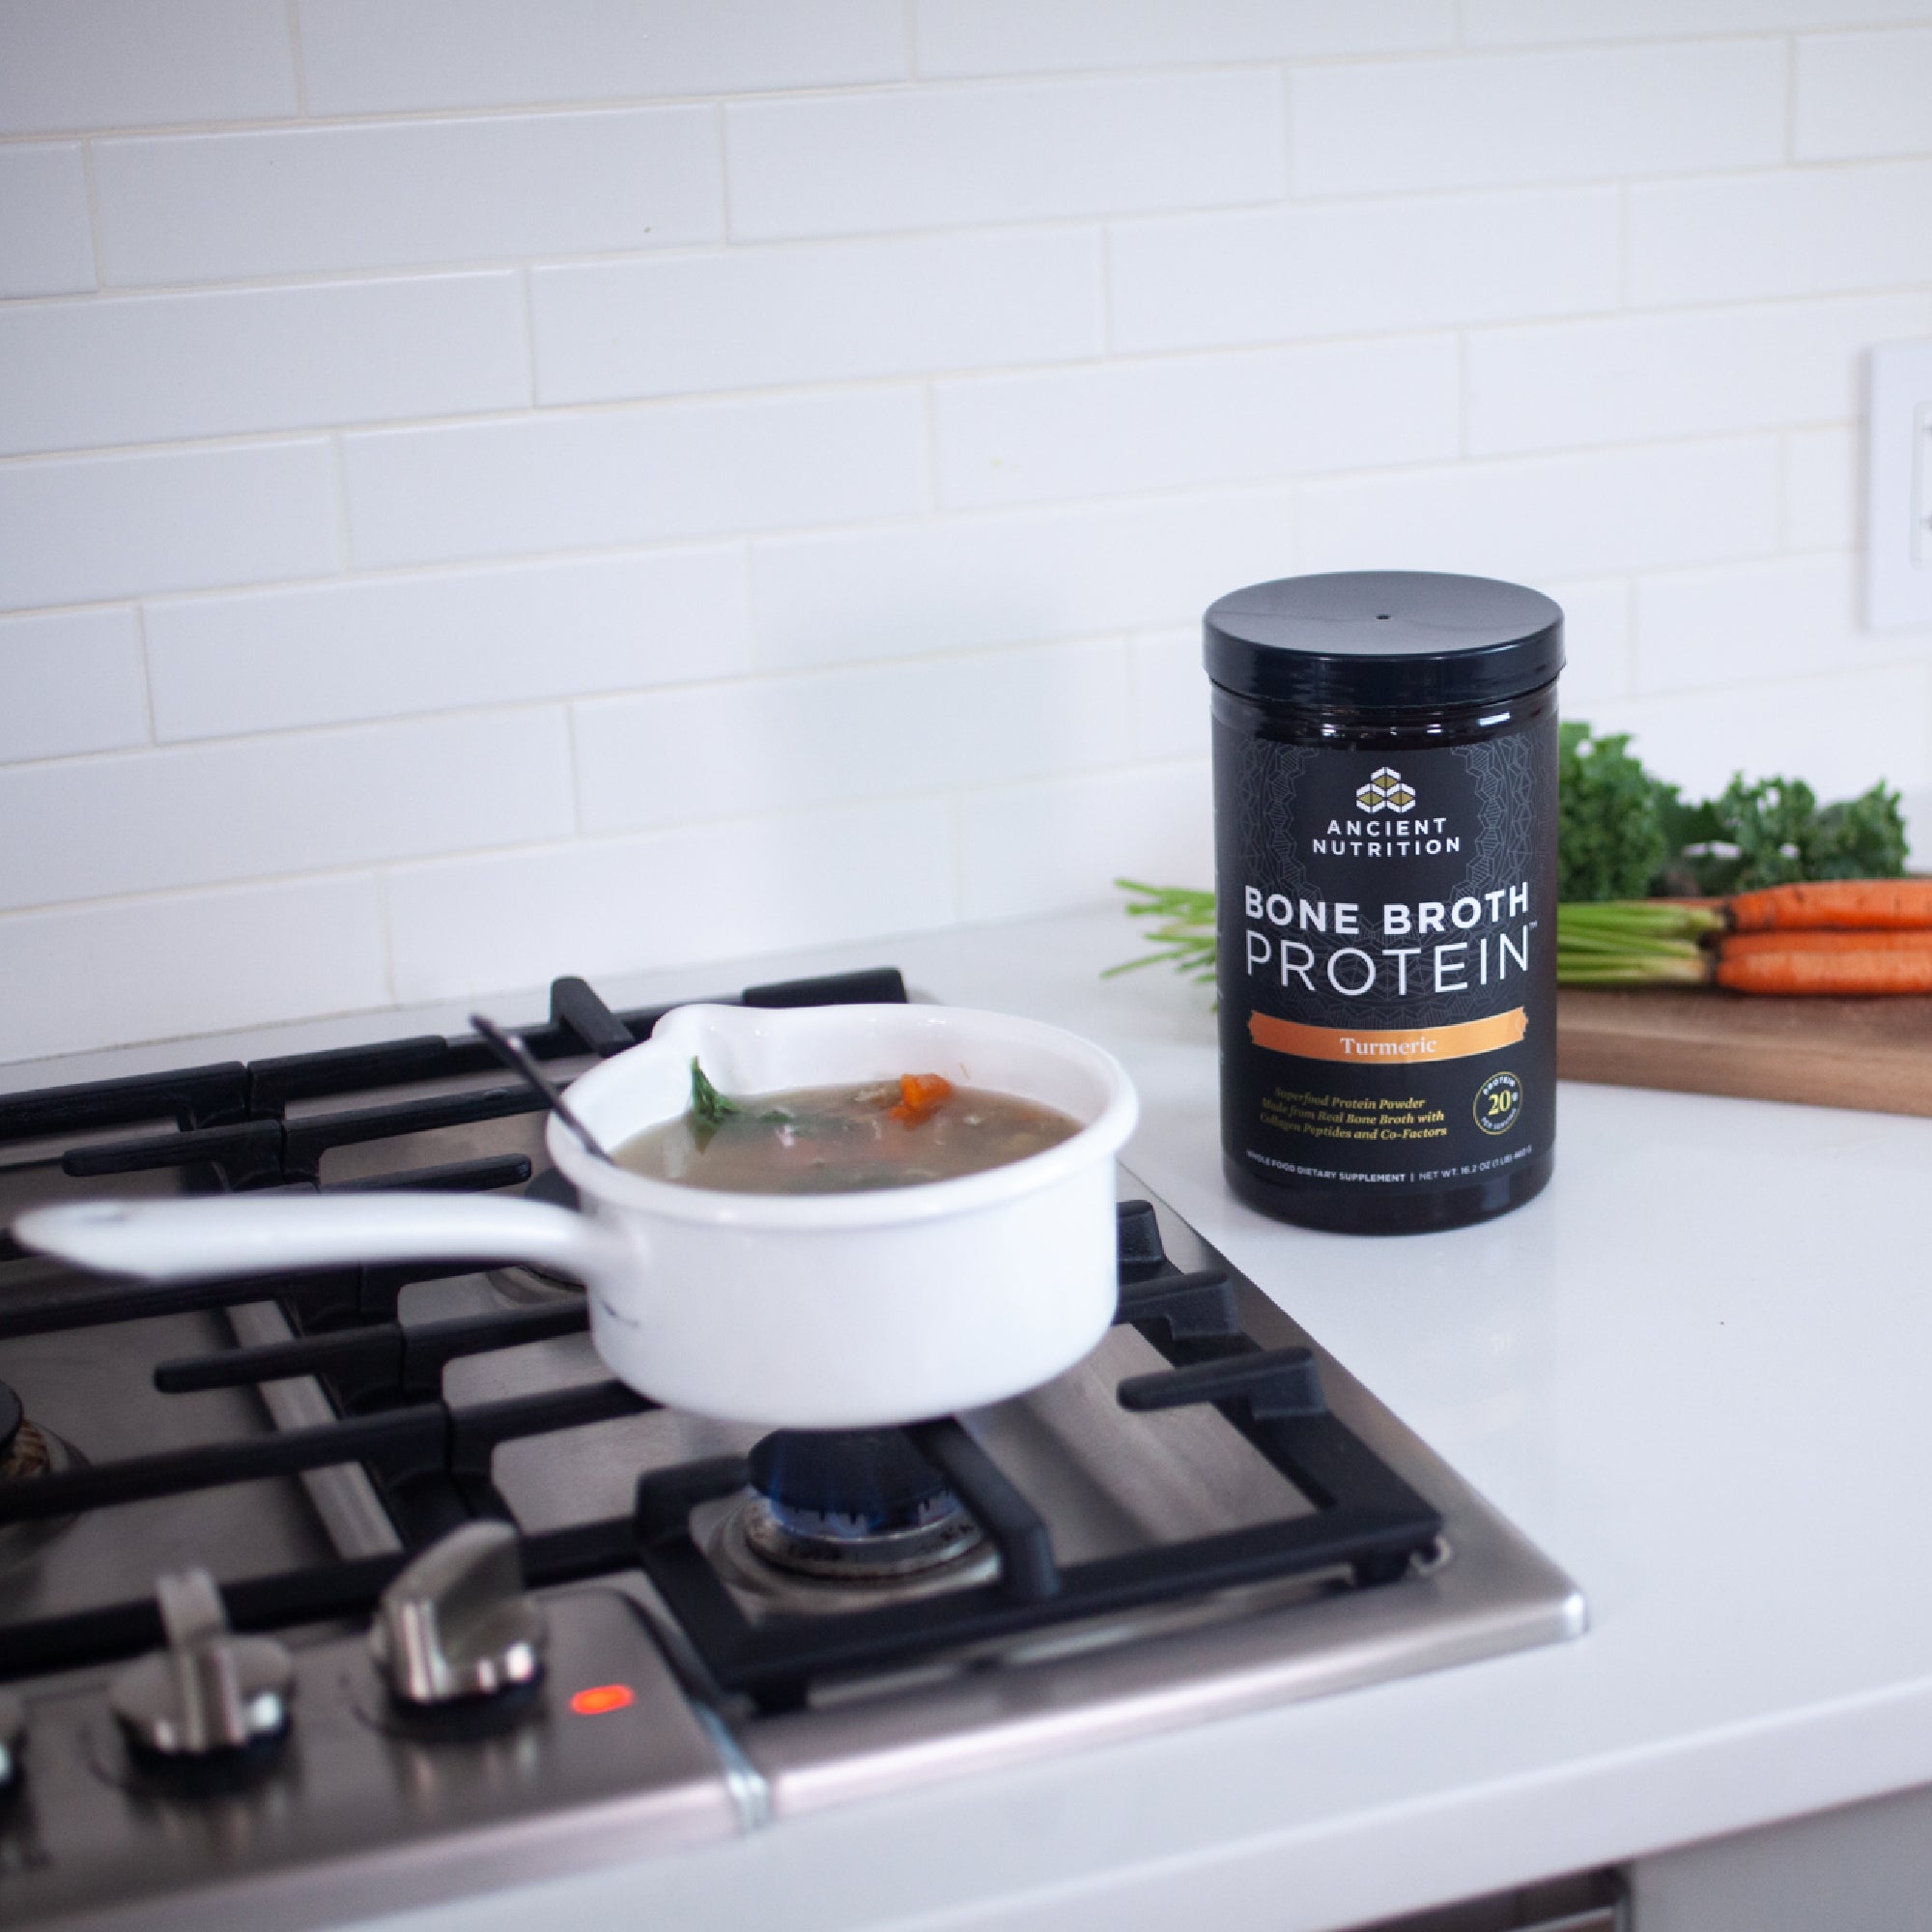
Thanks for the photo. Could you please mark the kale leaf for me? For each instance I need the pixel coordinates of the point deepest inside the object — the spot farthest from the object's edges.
(1860, 837)
(1610, 838)
(1625, 834)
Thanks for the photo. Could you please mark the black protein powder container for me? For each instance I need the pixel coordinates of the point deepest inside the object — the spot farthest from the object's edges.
(1385, 877)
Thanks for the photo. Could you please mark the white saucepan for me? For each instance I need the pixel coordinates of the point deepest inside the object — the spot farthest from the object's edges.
(831, 1311)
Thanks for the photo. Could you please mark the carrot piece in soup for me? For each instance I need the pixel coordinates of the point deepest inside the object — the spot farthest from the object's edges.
(920, 1095)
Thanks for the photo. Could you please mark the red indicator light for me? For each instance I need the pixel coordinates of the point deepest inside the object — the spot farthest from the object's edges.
(603, 1699)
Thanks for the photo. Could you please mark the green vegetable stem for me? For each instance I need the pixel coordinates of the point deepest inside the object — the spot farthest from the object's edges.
(1634, 943)
(708, 1106)
(1184, 938)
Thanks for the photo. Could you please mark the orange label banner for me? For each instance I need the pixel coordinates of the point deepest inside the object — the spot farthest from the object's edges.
(1388, 1046)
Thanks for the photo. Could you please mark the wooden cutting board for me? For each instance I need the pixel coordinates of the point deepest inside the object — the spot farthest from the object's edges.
(1875, 1054)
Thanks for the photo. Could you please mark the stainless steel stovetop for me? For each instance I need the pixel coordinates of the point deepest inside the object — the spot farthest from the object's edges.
(645, 1733)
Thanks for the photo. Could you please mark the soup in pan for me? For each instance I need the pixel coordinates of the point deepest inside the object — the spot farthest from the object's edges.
(842, 1140)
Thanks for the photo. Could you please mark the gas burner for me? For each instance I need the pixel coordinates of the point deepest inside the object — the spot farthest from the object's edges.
(525, 1284)
(27, 1451)
(858, 1511)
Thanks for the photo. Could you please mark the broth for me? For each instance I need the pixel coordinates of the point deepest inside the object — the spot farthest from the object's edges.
(845, 1140)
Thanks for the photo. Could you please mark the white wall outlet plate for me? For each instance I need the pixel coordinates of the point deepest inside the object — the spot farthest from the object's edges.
(1898, 504)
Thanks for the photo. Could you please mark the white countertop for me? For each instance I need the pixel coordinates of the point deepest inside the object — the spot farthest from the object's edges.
(1692, 1371)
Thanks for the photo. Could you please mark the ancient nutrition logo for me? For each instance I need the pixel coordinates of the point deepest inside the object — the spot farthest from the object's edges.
(1385, 791)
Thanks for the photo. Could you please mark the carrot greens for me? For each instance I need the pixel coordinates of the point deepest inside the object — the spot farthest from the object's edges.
(1183, 937)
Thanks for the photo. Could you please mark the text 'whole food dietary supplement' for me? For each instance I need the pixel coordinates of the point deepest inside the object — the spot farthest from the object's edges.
(1386, 883)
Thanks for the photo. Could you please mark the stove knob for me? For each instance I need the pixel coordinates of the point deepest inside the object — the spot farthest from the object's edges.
(457, 1624)
(209, 1691)
(13, 1735)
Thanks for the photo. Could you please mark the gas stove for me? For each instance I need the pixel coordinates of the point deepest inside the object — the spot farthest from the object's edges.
(328, 1592)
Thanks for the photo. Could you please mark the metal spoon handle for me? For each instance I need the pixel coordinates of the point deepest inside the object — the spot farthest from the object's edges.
(510, 1049)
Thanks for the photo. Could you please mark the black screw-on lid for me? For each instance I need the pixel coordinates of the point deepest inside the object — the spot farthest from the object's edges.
(1384, 641)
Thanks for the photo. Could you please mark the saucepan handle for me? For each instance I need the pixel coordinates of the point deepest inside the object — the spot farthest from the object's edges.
(231, 1235)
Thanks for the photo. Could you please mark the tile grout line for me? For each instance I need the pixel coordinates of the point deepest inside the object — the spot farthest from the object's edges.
(298, 56)
(93, 188)
(147, 672)
(574, 759)
(727, 239)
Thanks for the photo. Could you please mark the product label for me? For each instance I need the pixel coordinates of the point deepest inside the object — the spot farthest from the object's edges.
(1387, 947)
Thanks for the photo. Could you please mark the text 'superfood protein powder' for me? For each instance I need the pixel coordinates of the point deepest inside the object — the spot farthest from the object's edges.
(1385, 876)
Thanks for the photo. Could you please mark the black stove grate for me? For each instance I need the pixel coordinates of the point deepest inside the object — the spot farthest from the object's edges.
(1366, 1520)
(232, 1121)
(430, 1460)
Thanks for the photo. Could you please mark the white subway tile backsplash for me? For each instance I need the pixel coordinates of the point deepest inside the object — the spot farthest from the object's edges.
(152, 368)
(196, 207)
(1595, 638)
(939, 157)
(1169, 694)
(1840, 733)
(82, 530)
(1258, 276)
(1567, 385)
(95, 976)
(71, 681)
(1784, 617)
(1863, 94)
(995, 37)
(1562, 516)
(1034, 848)
(143, 63)
(783, 743)
(670, 898)
(636, 475)
(376, 56)
(965, 583)
(1184, 422)
(45, 247)
(897, 307)
(434, 433)
(1823, 486)
(1542, 117)
(1805, 231)
(311, 802)
(387, 647)
(1499, 22)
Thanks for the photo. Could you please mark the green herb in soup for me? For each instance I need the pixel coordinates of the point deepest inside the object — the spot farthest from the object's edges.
(842, 1140)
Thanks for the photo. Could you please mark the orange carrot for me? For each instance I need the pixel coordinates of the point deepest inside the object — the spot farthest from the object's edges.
(1857, 903)
(920, 1095)
(1747, 945)
(1873, 970)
